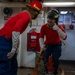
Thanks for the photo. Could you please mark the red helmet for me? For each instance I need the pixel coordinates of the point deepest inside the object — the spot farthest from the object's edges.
(36, 5)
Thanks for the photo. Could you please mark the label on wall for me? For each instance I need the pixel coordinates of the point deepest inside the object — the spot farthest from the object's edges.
(6, 17)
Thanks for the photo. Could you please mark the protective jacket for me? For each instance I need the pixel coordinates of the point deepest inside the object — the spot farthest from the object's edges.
(18, 23)
(52, 36)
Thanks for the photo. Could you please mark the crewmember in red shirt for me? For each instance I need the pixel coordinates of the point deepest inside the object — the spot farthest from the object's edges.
(9, 37)
(53, 33)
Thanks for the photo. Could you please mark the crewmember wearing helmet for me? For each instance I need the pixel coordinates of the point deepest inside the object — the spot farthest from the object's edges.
(9, 37)
(52, 43)
(34, 9)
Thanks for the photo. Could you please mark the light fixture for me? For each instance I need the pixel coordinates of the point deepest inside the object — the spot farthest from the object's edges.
(63, 12)
(58, 4)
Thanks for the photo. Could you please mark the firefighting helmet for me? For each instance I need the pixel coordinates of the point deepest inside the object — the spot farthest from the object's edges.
(53, 14)
(36, 5)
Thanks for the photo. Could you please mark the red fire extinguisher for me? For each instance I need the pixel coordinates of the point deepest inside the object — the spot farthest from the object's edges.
(33, 40)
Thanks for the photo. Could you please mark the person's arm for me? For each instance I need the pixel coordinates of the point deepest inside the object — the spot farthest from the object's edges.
(18, 28)
(41, 39)
(15, 43)
(60, 32)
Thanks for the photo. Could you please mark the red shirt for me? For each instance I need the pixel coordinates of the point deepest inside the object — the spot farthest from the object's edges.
(18, 22)
(52, 36)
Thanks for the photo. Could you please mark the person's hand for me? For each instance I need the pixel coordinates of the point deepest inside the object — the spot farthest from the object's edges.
(55, 27)
(60, 32)
(11, 54)
(43, 47)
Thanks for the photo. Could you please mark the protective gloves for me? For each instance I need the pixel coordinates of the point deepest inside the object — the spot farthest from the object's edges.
(59, 31)
(11, 54)
(15, 44)
(42, 45)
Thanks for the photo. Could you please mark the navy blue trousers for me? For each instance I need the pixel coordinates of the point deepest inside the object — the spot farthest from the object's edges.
(7, 66)
(55, 51)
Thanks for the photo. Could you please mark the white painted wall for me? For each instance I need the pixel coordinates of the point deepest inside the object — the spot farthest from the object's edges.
(68, 51)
